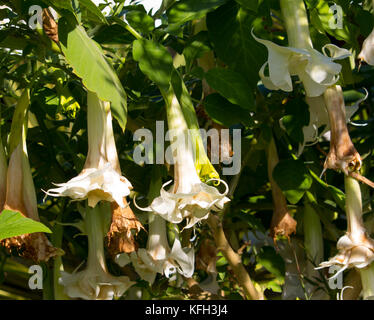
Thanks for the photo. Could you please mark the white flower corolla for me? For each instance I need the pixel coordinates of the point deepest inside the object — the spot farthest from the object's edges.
(95, 282)
(158, 257)
(367, 51)
(101, 177)
(315, 70)
(188, 198)
(355, 248)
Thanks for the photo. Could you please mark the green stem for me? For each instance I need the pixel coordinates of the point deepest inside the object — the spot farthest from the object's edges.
(353, 205)
(94, 227)
(296, 21)
(367, 279)
(313, 239)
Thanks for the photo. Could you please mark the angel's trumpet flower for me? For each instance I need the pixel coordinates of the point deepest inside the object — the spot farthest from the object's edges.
(356, 248)
(315, 70)
(101, 177)
(188, 198)
(95, 282)
(367, 51)
(158, 257)
(342, 155)
(20, 191)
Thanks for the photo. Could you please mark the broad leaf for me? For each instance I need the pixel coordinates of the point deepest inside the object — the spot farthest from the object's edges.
(140, 20)
(224, 112)
(187, 10)
(230, 31)
(93, 9)
(154, 61)
(89, 63)
(293, 178)
(232, 86)
(14, 224)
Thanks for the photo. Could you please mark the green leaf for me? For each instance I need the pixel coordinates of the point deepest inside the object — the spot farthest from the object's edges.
(232, 86)
(140, 20)
(186, 10)
(196, 48)
(297, 116)
(322, 17)
(89, 63)
(224, 112)
(154, 61)
(92, 8)
(293, 178)
(337, 194)
(249, 4)
(14, 224)
(272, 261)
(229, 29)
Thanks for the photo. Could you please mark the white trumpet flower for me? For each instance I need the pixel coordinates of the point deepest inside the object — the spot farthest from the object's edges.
(188, 198)
(367, 51)
(315, 70)
(101, 177)
(95, 282)
(356, 248)
(158, 257)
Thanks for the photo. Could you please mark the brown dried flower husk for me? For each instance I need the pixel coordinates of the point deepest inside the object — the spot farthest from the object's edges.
(34, 246)
(282, 223)
(49, 25)
(343, 154)
(124, 222)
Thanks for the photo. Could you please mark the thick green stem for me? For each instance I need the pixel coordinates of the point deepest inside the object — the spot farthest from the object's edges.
(353, 207)
(367, 279)
(94, 227)
(296, 21)
(313, 239)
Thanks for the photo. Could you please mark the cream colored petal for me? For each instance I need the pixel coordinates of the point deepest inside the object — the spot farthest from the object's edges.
(89, 285)
(335, 52)
(278, 61)
(367, 51)
(95, 184)
(185, 258)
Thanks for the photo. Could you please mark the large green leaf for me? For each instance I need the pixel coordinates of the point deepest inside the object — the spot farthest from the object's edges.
(293, 178)
(232, 86)
(187, 10)
(14, 224)
(154, 61)
(272, 261)
(224, 112)
(140, 20)
(93, 9)
(230, 31)
(89, 63)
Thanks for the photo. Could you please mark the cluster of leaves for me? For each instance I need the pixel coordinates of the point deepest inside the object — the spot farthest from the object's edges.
(95, 51)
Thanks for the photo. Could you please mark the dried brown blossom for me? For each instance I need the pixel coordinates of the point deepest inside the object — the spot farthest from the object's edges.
(120, 235)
